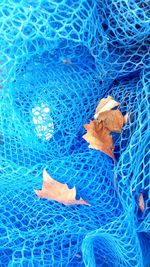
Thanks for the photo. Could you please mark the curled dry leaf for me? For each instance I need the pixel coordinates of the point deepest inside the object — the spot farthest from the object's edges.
(113, 120)
(104, 105)
(106, 121)
(53, 190)
(99, 137)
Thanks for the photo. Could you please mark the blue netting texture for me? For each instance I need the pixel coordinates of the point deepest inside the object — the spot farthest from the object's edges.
(58, 58)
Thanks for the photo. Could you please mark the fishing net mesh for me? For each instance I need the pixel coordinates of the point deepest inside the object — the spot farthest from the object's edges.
(57, 60)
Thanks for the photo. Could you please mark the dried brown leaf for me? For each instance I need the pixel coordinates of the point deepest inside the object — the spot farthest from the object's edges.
(99, 137)
(104, 105)
(53, 190)
(113, 120)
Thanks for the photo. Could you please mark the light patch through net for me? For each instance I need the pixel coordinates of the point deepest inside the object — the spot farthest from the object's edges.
(44, 125)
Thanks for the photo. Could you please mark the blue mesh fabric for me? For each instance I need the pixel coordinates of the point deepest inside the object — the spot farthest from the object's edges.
(57, 59)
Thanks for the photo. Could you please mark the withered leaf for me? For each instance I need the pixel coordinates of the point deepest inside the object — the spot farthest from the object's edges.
(113, 120)
(99, 137)
(54, 190)
(104, 105)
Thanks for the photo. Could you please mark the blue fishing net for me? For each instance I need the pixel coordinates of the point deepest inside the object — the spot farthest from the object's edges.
(57, 60)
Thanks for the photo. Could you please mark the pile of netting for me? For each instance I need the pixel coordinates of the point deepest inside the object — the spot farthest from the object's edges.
(58, 58)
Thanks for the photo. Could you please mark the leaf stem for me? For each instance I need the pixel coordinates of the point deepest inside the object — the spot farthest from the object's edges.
(123, 100)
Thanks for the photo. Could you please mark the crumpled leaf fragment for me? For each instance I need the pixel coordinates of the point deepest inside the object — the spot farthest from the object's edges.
(113, 120)
(54, 190)
(99, 137)
(105, 104)
(126, 118)
(141, 202)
